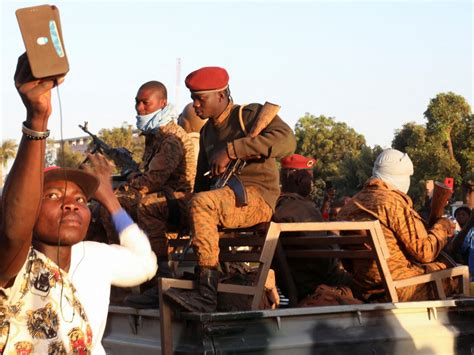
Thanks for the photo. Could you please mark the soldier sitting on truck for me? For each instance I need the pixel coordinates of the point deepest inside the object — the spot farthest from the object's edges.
(414, 250)
(223, 138)
(167, 174)
(293, 205)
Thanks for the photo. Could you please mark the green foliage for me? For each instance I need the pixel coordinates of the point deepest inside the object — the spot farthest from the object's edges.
(7, 151)
(355, 169)
(328, 141)
(67, 158)
(341, 153)
(442, 148)
(410, 135)
(444, 112)
(124, 137)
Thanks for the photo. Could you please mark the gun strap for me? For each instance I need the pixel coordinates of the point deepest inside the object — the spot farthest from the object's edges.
(241, 119)
(174, 213)
(239, 190)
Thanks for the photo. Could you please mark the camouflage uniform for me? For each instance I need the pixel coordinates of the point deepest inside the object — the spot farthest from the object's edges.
(169, 166)
(413, 249)
(307, 274)
(210, 209)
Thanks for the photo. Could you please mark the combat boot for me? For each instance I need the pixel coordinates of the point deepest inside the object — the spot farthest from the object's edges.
(149, 298)
(203, 299)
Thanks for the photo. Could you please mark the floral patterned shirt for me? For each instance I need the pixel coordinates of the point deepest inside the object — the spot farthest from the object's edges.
(41, 314)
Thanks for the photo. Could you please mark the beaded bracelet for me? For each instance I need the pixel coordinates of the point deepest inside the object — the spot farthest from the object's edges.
(34, 135)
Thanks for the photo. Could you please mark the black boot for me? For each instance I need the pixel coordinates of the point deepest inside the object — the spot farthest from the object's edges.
(201, 300)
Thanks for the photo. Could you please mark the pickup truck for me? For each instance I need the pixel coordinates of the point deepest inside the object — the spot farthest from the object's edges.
(428, 327)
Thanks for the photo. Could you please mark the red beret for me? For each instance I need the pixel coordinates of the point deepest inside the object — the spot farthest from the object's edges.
(207, 79)
(297, 161)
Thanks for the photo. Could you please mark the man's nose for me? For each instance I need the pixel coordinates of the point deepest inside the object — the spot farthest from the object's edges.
(70, 205)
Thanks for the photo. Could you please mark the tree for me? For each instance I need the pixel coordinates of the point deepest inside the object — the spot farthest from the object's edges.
(355, 169)
(441, 148)
(67, 158)
(7, 151)
(124, 137)
(445, 113)
(328, 141)
(410, 135)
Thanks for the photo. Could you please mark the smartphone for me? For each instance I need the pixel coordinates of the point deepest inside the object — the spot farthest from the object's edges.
(41, 31)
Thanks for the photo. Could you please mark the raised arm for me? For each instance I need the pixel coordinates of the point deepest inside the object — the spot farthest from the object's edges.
(23, 188)
(132, 262)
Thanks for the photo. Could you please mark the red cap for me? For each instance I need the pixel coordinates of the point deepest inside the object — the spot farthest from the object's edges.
(87, 182)
(207, 79)
(297, 161)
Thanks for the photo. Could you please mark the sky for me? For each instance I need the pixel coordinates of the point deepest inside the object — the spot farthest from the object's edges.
(372, 64)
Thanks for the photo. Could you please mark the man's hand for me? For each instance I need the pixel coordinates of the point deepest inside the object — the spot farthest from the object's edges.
(219, 162)
(35, 94)
(448, 224)
(102, 169)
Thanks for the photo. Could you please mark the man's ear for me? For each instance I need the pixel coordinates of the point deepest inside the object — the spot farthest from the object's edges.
(222, 95)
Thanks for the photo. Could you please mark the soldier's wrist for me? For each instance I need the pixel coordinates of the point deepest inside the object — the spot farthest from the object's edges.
(231, 150)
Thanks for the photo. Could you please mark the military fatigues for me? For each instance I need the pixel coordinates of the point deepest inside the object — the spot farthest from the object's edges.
(169, 166)
(307, 274)
(413, 249)
(209, 209)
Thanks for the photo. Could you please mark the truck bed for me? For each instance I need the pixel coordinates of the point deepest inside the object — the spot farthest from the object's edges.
(428, 327)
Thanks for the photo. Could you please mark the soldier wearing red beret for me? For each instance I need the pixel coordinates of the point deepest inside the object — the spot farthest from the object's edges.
(223, 139)
(297, 161)
(293, 205)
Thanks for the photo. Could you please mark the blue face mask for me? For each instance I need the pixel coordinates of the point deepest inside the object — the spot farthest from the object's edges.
(150, 122)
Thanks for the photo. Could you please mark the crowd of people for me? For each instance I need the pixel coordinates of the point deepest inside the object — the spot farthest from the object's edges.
(55, 287)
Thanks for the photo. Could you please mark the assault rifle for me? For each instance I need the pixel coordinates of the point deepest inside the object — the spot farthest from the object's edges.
(230, 175)
(122, 157)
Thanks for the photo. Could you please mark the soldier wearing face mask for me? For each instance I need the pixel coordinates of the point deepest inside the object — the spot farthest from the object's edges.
(156, 197)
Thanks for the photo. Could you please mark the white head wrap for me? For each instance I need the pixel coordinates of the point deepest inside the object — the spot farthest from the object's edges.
(395, 168)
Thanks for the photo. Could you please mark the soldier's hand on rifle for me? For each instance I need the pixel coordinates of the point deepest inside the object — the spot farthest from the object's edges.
(102, 169)
(219, 162)
(133, 175)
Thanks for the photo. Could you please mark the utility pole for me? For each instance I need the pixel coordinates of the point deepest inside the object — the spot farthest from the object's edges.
(178, 83)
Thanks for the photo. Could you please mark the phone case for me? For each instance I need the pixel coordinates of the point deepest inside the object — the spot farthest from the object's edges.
(41, 31)
(449, 181)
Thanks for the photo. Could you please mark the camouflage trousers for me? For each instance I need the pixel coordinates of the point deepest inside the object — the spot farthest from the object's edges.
(151, 213)
(154, 218)
(211, 209)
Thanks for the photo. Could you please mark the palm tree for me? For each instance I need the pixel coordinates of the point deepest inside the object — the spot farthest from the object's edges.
(7, 151)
